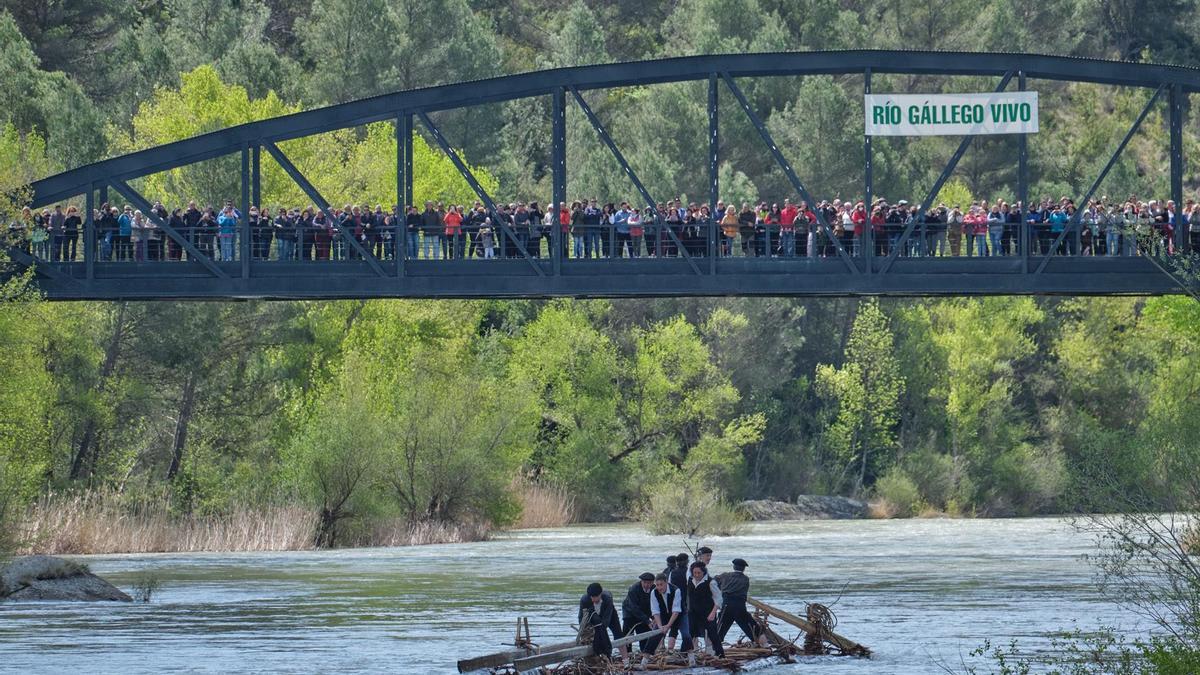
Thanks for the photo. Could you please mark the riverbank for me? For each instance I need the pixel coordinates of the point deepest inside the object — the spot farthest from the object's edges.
(101, 523)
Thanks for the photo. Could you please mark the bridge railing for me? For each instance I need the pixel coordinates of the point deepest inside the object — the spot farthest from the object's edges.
(700, 239)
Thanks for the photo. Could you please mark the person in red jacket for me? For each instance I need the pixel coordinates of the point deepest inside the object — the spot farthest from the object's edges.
(976, 223)
(564, 224)
(858, 218)
(789, 212)
(453, 221)
(877, 225)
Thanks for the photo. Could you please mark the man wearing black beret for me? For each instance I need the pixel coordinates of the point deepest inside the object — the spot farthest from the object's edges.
(596, 609)
(735, 589)
(635, 610)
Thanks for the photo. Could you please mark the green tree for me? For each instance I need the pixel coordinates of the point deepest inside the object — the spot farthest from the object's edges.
(866, 390)
(340, 164)
(823, 140)
(48, 102)
(354, 48)
(67, 35)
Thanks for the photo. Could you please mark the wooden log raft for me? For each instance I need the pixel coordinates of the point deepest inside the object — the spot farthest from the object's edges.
(530, 662)
(506, 657)
(846, 645)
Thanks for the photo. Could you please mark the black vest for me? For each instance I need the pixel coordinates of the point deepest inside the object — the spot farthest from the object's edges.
(666, 602)
(700, 597)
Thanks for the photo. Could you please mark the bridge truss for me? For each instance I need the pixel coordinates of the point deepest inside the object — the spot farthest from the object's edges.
(694, 273)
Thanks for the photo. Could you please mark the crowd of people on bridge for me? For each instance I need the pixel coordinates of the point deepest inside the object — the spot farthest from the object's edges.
(684, 602)
(587, 229)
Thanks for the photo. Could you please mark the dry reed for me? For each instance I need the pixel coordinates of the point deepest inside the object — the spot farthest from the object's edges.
(882, 508)
(544, 505)
(97, 523)
(400, 532)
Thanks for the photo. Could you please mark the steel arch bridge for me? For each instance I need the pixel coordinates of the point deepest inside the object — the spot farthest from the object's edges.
(694, 272)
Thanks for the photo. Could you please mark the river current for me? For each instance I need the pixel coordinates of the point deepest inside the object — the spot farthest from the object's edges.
(921, 593)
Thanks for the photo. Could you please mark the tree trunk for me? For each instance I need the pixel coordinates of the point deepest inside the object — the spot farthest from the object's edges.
(186, 403)
(87, 441)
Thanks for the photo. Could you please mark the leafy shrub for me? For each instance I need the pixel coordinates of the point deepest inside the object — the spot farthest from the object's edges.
(896, 495)
(1026, 480)
(145, 586)
(691, 508)
(942, 480)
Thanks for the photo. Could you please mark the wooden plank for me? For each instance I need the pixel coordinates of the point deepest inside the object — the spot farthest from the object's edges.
(531, 662)
(504, 658)
(845, 644)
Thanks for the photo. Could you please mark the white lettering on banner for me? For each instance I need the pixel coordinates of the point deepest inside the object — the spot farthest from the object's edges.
(951, 114)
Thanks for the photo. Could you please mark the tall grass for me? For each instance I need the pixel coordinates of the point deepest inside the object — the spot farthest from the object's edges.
(401, 532)
(544, 505)
(97, 522)
(101, 522)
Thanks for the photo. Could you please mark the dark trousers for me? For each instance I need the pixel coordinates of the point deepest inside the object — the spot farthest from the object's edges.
(735, 612)
(624, 245)
(702, 627)
(648, 645)
(601, 645)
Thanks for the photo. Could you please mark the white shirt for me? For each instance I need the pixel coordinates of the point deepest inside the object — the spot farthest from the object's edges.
(676, 604)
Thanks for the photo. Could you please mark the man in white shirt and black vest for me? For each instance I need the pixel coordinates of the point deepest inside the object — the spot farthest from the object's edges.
(666, 604)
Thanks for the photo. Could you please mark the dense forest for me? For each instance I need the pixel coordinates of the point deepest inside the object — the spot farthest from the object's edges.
(365, 412)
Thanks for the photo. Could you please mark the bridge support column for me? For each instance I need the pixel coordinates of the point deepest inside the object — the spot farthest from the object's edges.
(1176, 102)
(256, 175)
(714, 171)
(868, 183)
(244, 236)
(558, 175)
(403, 176)
(1023, 186)
(406, 133)
(89, 233)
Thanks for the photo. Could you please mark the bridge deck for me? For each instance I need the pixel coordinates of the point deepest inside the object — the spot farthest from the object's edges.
(646, 277)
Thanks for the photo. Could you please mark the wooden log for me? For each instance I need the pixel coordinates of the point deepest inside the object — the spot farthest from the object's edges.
(531, 662)
(845, 644)
(506, 657)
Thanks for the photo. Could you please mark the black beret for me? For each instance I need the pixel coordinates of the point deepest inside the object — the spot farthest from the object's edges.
(670, 560)
(681, 559)
(739, 564)
(594, 589)
(646, 576)
(702, 550)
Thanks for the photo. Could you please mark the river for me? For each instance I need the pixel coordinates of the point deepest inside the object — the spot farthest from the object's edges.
(921, 593)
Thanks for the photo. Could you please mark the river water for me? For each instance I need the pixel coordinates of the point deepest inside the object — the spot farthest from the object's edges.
(921, 593)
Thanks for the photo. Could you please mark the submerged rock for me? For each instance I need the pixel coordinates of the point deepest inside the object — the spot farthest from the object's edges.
(806, 507)
(43, 577)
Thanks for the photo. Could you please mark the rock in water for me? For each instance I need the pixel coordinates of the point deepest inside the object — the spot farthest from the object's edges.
(807, 507)
(43, 577)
